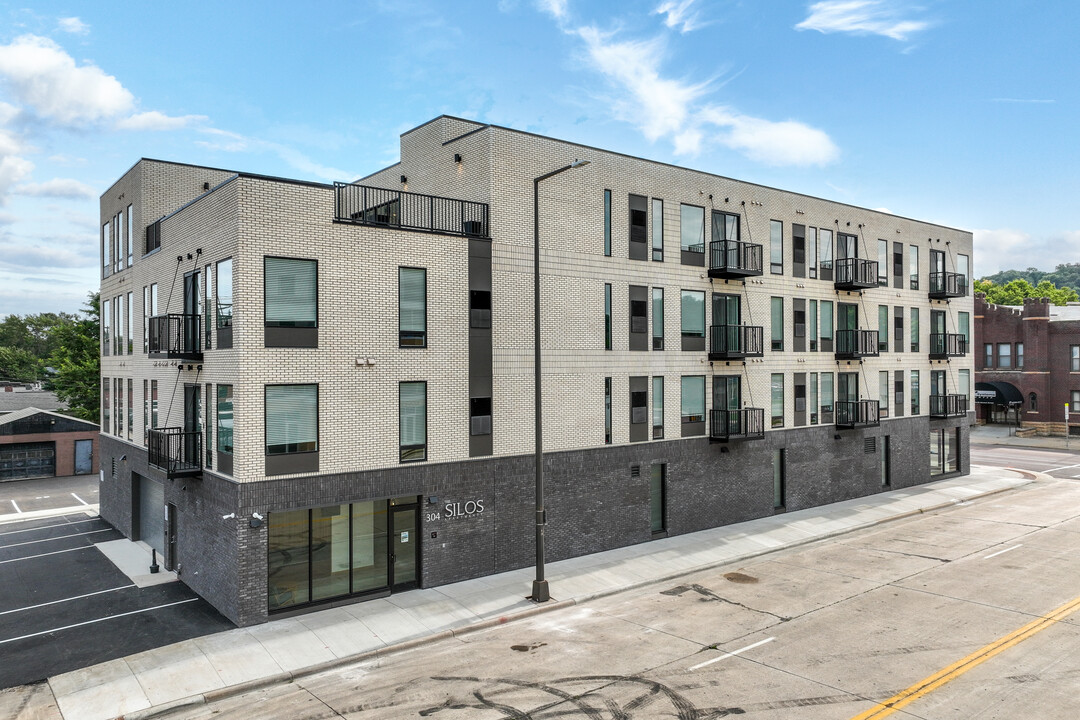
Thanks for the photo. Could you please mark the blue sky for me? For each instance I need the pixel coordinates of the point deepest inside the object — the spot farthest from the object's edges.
(962, 112)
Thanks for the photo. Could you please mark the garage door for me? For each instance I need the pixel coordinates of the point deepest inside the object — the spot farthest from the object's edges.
(151, 513)
(27, 460)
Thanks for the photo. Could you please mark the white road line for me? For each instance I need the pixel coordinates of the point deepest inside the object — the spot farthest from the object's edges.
(1064, 467)
(57, 552)
(76, 522)
(79, 499)
(58, 537)
(17, 510)
(1002, 552)
(732, 653)
(91, 622)
(77, 597)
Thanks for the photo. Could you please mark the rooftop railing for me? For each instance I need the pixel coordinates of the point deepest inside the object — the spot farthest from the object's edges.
(367, 205)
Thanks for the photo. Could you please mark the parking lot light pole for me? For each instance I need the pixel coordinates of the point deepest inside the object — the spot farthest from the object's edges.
(540, 591)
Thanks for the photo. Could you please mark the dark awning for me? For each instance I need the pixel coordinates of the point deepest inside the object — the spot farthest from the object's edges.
(997, 393)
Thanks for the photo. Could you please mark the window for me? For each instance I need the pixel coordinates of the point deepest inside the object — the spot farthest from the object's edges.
(1033, 402)
(898, 265)
(412, 307)
(1019, 356)
(292, 419)
(693, 399)
(800, 395)
(898, 392)
(944, 447)
(121, 323)
(658, 318)
(130, 235)
(913, 266)
(106, 407)
(883, 263)
(1074, 358)
(130, 407)
(225, 418)
(693, 313)
(963, 322)
(811, 251)
(129, 306)
(813, 398)
(825, 253)
(963, 381)
(480, 309)
(898, 329)
(106, 325)
(639, 228)
(412, 421)
(776, 325)
(607, 411)
(883, 328)
(778, 479)
(607, 316)
(153, 404)
(826, 397)
(607, 223)
(883, 458)
(119, 408)
(150, 298)
(798, 250)
(224, 294)
(291, 293)
(692, 233)
(656, 497)
(145, 408)
(657, 408)
(106, 250)
(883, 393)
(480, 416)
(798, 317)
(963, 269)
(639, 316)
(118, 233)
(1004, 356)
(988, 356)
(777, 386)
(776, 247)
(658, 230)
(914, 329)
(639, 408)
(1074, 406)
(813, 325)
(826, 321)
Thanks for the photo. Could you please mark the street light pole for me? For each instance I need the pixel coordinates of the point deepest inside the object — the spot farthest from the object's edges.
(540, 591)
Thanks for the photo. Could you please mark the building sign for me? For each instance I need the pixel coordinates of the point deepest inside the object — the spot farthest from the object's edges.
(458, 510)
(985, 397)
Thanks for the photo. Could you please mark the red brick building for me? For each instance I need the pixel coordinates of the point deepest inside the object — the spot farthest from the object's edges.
(37, 443)
(1027, 364)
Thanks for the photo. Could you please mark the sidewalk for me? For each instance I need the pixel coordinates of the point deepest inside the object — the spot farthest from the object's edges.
(200, 670)
(1003, 435)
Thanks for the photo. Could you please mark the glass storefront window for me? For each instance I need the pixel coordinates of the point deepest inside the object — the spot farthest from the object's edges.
(329, 552)
(287, 559)
(369, 557)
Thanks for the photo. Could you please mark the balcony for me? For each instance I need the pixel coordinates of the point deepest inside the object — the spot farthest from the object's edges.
(366, 205)
(948, 406)
(735, 425)
(175, 451)
(734, 259)
(856, 344)
(947, 345)
(855, 274)
(735, 342)
(945, 285)
(856, 413)
(176, 337)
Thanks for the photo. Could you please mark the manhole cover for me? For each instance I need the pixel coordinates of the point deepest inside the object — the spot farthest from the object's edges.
(738, 577)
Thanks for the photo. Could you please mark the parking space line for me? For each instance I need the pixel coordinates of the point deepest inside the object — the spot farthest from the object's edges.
(57, 552)
(80, 499)
(91, 622)
(732, 653)
(77, 597)
(58, 537)
(1064, 467)
(43, 527)
(1002, 552)
(13, 504)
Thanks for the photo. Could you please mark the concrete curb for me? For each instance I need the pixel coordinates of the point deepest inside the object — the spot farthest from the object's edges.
(89, 510)
(296, 675)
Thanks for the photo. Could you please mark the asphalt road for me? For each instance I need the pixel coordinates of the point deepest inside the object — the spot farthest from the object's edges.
(1063, 464)
(943, 611)
(64, 605)
(18, 497)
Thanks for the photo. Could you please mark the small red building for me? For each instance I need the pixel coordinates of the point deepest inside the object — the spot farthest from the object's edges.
(1027, 365)
(37, 443)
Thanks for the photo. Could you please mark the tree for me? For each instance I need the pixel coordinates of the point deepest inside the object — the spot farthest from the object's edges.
(18, 365)
(1015, 291)
(77, 362)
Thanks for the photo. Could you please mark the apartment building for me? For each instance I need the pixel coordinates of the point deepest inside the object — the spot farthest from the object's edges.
(316, 394)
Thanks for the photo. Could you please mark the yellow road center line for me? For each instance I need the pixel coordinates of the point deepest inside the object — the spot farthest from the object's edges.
(958, 668)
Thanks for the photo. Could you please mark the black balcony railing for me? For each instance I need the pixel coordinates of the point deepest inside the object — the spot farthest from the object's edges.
(946, 406)
(947, 345)
(744, 424)
(855, 344)
(178, 337)
(855, 274)
(947, 285)
(176, 451)
(734, 259)
(734, 342)
(856, 413)
(366, 205)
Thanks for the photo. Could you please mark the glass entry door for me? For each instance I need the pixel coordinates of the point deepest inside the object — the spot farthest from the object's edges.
(404, 540)
(847, 387)
(847, 316)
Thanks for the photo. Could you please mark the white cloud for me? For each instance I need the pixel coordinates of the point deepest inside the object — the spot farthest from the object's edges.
(1008, 249)
(234, 142)
(58, 188)
(555, 8)
(73, 25)
(1022, 100)
(12, 170)
(860, 17)
(154, 120)
(679, 14)
(666, 107)
(43, 76)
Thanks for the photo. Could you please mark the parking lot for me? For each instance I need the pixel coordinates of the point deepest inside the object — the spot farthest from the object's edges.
(64, 605)
(37, 496)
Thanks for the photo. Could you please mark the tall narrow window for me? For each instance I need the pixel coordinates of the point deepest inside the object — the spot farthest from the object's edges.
(639, 409)
(658, 230)
(412, 421)
(120, 407)
(656, 497)
(145, 408)
(898, 393)
(106, 406)
(779, 491)
(129, 306)
(692, 234)
(412, 307)
(607, 223)
(657, 407)
(130, 407)
(827, 323)
(883, 393)
(914, 392)
(963, 269)
(224, 294)
(153, 404)
(292, 419)
(811, 251)
(1019, 356)
(776, 247)
(776, 325)
(1074, 404)
(639, 228)
(121, 323)
(963, 324)
(106, 325)
(825, 253)
(914, 329)
(130, 235)
(106, 250)
(963, 381)
(225, 418)
(639, 317)
(693, 405)
(913, 266)
(658, 318)
(607, 316)
(1074, 357)
(812, 332)
(777, 387)
(813, 398)
(883, 460)
(899, 340)
(883, 328)
(826, 398)
(607, 411)
(883, 263)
